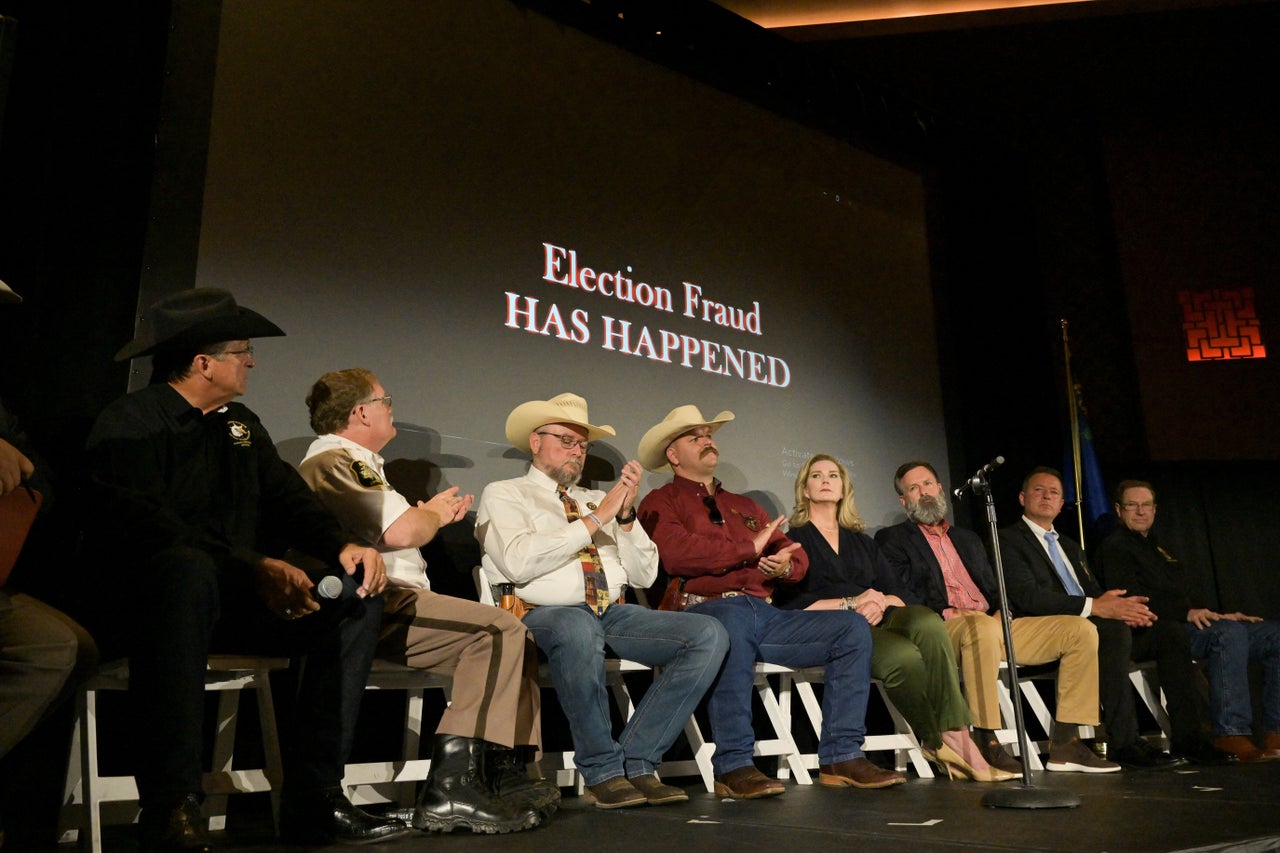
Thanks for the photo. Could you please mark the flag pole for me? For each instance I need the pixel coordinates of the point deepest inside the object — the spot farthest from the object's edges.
(1075, 432)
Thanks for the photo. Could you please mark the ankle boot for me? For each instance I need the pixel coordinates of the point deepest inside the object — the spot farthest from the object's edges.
(455, 794)
(508, 774)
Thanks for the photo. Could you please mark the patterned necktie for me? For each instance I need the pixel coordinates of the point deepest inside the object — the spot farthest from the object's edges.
(594, 579)
(1060, 566)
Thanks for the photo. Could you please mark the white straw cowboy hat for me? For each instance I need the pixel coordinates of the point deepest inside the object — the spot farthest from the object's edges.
(205, 315)
(653, 447)
(7, 294)
(560, 409)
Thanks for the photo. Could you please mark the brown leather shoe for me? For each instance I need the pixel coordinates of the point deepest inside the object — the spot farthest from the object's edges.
(1271, 746)
(1075, 757)
(1240, 746)
(656, 792)
(858, 773)
(615, 793)
(179, 828)
(747, 783)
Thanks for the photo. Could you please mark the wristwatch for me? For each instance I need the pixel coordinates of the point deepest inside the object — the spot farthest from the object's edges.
(628, 518)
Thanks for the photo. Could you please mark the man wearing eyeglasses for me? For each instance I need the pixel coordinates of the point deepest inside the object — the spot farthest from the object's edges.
(491, 728)
(725, 555)
(195, 511)
(569, 553)
(1132, 558)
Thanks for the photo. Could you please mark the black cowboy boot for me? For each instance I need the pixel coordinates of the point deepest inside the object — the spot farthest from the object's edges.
(507, 772)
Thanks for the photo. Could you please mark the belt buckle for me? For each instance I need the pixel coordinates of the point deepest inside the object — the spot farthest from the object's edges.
(731, 594)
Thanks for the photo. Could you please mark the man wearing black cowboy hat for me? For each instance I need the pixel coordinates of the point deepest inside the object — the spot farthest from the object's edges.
(196, 510)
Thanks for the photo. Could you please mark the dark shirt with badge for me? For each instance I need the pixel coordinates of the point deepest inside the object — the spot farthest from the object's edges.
(165, 474)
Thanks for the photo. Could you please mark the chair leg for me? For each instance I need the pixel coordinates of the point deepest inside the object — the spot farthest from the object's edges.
(224, 743)
(72, 821)
(702, 752)
(782, 733)
(903, 730)
(91, 818)
(273, 766)
(785, 680)
(412, 742)
(1008, 734)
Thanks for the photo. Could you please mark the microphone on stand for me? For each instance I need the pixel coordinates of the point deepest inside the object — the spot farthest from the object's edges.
(976, 480)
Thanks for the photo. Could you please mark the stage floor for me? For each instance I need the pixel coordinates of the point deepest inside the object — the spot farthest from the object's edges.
(1234, 808)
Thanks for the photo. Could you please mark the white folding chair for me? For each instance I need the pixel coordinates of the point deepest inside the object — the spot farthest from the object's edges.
(782, 744)
(395, 781)
(87, 791)
(902, 741)
(1143, 678)
(1040, 714)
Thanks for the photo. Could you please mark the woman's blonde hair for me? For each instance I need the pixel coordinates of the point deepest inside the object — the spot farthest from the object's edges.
(846, 513)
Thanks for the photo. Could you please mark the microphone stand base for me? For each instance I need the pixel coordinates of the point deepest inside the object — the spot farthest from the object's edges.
(1029, 797)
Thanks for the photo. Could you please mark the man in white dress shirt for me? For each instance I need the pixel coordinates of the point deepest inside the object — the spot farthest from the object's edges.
(569, 553)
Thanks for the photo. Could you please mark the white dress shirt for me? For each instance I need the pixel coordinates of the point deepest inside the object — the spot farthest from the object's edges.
(339, 471)
(527, 540)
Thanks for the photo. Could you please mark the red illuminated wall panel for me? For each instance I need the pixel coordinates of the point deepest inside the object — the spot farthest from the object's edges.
(1221, 324)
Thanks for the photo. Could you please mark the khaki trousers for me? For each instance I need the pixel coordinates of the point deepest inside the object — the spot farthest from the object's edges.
(1072, 641)
(489, 653)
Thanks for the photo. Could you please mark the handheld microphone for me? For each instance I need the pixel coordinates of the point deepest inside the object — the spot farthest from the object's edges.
(329, 587)
(976, 480)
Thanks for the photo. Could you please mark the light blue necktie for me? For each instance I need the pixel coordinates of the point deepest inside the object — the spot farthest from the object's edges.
(1060, 566)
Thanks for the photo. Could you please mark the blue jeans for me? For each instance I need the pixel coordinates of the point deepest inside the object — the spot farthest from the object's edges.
(1228, 647)
(838, 640)
(688, 647)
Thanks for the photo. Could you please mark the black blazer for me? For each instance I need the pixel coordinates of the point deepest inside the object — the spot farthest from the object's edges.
(1031, 580)
(909, 555)
(857, 568)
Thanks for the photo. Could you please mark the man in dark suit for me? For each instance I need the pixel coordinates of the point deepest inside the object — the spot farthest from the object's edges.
(946, 568)
(1047, 575)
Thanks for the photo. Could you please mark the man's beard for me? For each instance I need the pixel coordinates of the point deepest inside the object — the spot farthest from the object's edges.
(928, 509)
(568, 473)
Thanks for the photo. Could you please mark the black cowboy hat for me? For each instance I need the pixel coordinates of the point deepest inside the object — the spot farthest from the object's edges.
(196, 317)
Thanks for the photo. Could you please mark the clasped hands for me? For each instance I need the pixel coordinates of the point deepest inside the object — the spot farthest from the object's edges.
(1131, 610)
(777, 564)
(622, 497)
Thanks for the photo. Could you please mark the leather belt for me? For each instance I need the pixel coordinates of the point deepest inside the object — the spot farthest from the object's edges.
(683, 600)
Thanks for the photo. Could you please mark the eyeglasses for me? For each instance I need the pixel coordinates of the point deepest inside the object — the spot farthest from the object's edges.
(713, 510)
(385, 398)
(569, 442)
(1132, 506)
(236, 352)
